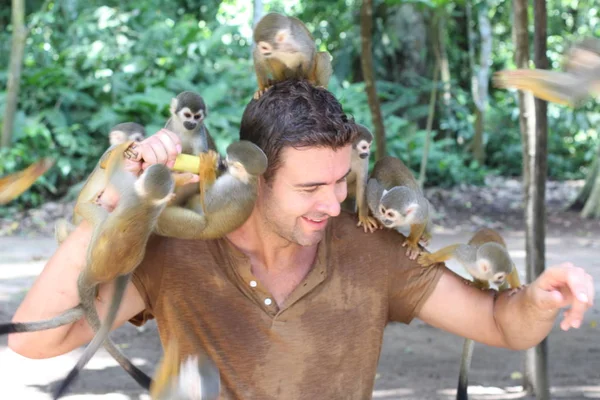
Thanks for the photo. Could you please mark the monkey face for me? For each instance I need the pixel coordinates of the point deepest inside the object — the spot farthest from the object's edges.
(389, 217)
(398, 207)
(363, 148)
(493, 263)
(191, 119)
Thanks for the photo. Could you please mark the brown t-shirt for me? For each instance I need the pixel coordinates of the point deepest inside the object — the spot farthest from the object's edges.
(325, 341)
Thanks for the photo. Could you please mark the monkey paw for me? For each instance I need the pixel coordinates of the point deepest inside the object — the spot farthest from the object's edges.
(413, 249)
(369, 224)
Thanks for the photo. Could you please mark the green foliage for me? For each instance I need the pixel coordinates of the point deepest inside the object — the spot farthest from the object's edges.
(113, 64)
(91, 65)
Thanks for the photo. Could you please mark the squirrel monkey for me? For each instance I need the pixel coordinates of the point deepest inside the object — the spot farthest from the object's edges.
(285, 49)
(117, 246)
(94, 183)
(13, 185)
(125, 131)
(194, 378)
(357, 179)
(396, 200)
(228, 203)
(486, 259)
(580, 79)
(118, 242)
(188, 112)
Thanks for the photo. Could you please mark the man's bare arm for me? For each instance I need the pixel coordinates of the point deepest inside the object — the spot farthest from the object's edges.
(517, 319)
(55, 291)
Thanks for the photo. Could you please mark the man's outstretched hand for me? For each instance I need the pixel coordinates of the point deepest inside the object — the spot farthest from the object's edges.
(564, 286)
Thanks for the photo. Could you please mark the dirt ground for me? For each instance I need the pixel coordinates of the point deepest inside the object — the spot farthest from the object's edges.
(417, 361)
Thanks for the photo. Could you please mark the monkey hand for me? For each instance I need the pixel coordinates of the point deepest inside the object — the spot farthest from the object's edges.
(563, 286)
(412, 250)
(368, 223)
(160, 148)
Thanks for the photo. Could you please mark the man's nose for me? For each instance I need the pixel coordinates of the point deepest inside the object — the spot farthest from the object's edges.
(329, 203)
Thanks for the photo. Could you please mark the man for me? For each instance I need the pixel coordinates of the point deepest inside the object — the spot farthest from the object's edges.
(294, 303)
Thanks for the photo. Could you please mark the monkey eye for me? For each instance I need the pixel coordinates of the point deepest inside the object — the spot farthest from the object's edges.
(390, 214)
(187, 115)
(382, 210)
(499, 277)
(197, 116)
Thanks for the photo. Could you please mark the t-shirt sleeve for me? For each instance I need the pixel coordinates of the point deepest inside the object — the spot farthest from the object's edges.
(147, 278)
(410, 286)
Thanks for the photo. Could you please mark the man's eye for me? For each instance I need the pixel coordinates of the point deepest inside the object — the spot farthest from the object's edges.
(311, 190)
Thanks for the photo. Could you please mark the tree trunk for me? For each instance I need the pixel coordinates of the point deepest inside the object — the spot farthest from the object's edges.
(19, 35)
(592, 205)
(432, 98)
(442, 54)
(479, 81)
(526, 100)
(536, 359)
(588, 199)
(366, 28)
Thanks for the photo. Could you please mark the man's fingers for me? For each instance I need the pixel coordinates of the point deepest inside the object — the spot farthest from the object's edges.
(174, 138)
(170, 147)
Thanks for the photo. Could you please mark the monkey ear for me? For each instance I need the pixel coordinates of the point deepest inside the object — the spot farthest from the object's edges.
(281, 36)
(484, 265)
(173, 105)
(411, 208)
(384, 192)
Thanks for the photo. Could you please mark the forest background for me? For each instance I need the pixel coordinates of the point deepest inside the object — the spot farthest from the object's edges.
(90, 65)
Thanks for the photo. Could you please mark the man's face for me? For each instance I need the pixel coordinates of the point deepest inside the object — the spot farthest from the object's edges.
(304, 192)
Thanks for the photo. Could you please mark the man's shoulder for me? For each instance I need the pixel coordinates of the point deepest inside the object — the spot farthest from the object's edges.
(344, 228)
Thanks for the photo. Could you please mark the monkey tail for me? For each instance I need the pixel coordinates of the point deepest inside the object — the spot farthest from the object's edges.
(101, 333)
(465, 365)
(67, 317)
(137, 374)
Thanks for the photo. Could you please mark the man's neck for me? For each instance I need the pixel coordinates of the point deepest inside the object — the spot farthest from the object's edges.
(267, 250)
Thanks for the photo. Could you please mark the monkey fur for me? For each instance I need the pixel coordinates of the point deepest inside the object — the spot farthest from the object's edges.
(118, 242)
(194, 378)
(13, 185)
(579, 80)
(188, 112)
(486, 259)
(125, 131)
(356, 201)
(93, 185)
(396, 200)
(228, 201)
(285, 49)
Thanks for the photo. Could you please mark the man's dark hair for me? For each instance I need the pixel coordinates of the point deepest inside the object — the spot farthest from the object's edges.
(296, 114)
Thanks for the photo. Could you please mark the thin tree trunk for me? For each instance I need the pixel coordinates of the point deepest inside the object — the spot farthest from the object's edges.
(588, 199)
(19, 35)
(422, 172)
(590, 180)
(442, 54)
(366, 28)
(479, 83)
(526, 100)
(592, 205)
(536, 359)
